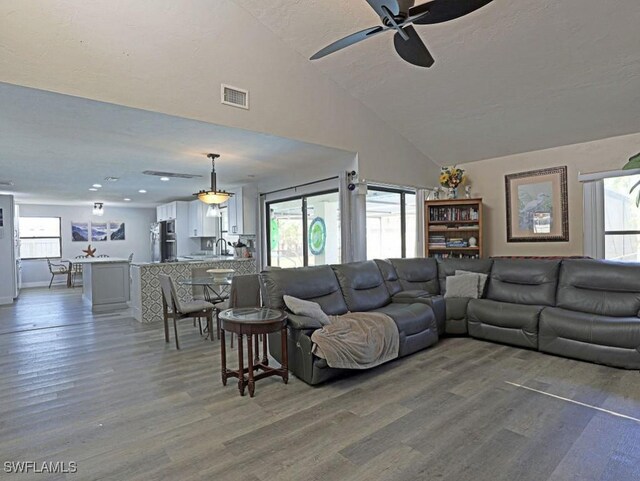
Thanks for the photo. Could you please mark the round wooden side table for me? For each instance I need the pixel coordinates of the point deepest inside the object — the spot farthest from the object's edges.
(253, 322)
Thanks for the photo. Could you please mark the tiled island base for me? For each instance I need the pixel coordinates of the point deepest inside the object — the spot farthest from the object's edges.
(146, 298)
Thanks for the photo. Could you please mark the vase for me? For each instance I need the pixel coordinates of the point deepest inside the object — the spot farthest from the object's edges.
(453, 193)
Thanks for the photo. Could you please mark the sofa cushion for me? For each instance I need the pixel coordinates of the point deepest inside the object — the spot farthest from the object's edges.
(614, 341)
(419, 273)
(306, 308)
(448, 267)
(362, 286)
(410, 318)
(600, 287)
(462, 286)
(482, 280)
(389, 275)
(317, 284)
(524, 281)
(504, 322)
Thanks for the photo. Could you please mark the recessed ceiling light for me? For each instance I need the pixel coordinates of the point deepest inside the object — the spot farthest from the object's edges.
(126, 199)
(142, 191)
(165, 179)
(93, 189)
(97, 186)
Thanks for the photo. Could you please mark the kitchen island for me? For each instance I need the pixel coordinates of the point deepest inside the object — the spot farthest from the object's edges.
(105, 282)
(146, 296)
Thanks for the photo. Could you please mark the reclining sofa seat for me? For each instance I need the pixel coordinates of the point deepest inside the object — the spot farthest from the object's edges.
(364, 290)
(596, 314)
(317, 284)
(356, 287)
(518, 291)
(412, 281)
(456, 307)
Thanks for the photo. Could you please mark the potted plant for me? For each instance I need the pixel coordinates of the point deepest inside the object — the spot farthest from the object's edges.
(634, 163)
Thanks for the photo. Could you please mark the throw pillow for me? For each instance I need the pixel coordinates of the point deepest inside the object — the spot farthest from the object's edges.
(306, 308)
(482, 280)
(462, 286)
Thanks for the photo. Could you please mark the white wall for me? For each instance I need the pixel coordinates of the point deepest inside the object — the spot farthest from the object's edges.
(137, 222)
(487, 181)
(6, 248)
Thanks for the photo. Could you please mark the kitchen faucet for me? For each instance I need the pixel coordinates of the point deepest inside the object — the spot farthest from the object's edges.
(223, 249)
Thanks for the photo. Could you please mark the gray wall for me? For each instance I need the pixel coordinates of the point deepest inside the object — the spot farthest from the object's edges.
(137, 222)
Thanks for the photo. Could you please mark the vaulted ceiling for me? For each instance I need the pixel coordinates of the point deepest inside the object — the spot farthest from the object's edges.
(514, 76)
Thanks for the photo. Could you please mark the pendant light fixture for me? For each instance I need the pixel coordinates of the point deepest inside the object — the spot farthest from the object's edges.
(213, 196)
(98, 209)
(213, 211)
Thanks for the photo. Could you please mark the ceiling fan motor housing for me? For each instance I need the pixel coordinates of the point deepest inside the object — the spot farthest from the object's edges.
(403, 13)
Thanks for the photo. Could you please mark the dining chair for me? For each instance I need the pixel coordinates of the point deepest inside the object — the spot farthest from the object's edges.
(59, 270)
(175, 308)
(76, 270)
(245, 292)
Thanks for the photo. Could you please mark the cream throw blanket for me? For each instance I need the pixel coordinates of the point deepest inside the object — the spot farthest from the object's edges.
(357, 340)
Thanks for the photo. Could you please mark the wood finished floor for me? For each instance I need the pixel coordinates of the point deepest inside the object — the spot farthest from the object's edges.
(108, 393)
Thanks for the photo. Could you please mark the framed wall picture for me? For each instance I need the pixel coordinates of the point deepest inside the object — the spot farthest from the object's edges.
(79, 231)
(98, 231)
(116, 230)
(537, 206)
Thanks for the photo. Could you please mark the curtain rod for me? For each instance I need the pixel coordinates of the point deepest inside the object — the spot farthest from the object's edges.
(300, 185)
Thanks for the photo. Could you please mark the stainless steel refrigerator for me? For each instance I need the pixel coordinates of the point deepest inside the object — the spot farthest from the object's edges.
(163, 242)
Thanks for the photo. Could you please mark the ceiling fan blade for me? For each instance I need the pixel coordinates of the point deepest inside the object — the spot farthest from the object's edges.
(445, 10)
(347, 41)
(392, 5)
(413, 50)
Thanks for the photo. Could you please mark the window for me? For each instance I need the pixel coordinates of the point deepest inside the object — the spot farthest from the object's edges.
(40, 237)
(304, 231)
(621, 219)
(391, 223)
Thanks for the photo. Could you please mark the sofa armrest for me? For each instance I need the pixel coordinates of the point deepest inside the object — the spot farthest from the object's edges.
(436, 303)
(303, 322)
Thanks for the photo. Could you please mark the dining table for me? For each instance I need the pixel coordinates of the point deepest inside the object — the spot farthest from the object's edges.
(214, 290)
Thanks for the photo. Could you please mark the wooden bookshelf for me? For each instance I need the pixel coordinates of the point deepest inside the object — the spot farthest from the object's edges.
(449, 223)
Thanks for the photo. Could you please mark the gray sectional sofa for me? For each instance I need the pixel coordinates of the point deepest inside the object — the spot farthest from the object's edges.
(583, 309)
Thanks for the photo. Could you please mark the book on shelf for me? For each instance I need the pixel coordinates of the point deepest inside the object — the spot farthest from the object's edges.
(445, 228)
(453, 214)
(455, 255)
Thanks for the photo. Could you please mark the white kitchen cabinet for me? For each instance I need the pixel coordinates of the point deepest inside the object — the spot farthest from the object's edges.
(199, 224)
(167, 212)
(242, 211)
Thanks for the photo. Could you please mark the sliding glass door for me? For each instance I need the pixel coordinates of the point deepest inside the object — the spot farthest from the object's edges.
(391, 223)
(304, 231)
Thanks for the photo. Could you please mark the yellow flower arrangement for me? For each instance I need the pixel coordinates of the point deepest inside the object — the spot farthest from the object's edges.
(451, 177)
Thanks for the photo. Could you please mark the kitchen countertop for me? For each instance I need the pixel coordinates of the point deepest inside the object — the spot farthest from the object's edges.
(97, 260)
(197, 260)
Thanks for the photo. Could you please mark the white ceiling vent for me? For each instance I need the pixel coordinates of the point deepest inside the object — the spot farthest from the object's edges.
(234, 96)
(6, 183)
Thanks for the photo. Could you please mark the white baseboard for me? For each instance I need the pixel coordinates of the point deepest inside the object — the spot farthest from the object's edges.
(6, 300)
(27, 285)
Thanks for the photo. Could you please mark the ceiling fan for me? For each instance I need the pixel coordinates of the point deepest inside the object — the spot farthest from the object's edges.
(400, 15)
